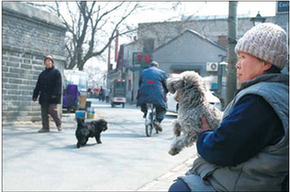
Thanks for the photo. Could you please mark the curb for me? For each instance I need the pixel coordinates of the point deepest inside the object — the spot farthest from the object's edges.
(164, 181)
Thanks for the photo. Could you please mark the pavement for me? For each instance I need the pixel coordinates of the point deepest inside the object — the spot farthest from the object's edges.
(163, 182)
(160, 183)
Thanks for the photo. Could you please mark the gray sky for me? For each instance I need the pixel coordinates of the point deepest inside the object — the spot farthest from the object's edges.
(162, 11)
(249, 9)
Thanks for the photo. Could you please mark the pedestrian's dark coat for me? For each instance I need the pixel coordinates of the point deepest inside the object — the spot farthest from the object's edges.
(48, 85)
(152, 85)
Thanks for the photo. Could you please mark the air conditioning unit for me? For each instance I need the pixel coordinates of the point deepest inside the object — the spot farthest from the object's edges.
(211, 66)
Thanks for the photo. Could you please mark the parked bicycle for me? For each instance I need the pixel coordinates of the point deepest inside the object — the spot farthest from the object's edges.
(149, 119)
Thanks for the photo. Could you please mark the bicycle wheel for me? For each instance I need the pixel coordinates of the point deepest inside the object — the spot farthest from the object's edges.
(149, 124)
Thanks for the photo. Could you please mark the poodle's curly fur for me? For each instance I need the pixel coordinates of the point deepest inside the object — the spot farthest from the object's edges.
(190, 90)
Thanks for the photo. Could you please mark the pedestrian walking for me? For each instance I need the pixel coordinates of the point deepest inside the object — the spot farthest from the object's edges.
(102, 94)
(249, 151)
(48, 87)
(108, 95)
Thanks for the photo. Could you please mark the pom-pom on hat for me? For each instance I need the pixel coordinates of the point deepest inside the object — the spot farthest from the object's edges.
(50, 58)
(266, 41)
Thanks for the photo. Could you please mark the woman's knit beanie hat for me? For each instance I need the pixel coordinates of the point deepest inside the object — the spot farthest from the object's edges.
(50, 58)
(266, 41)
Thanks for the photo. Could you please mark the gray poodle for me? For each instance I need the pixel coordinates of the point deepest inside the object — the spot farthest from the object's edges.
(190, 91)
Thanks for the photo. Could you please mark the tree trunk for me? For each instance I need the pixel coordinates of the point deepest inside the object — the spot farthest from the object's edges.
(232, 58)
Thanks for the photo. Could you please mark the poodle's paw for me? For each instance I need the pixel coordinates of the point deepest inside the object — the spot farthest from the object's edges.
(176, 128)
(173, 151)
(176, 124)
(177, 133)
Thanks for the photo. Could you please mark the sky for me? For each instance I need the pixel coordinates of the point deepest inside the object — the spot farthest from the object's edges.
(249, 9)
(163, 11)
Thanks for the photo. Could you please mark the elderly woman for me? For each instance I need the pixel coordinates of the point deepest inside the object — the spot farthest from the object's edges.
(49, 87)
(249, 149)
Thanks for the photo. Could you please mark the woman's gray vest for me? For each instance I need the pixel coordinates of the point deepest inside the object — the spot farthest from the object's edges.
(266, 170)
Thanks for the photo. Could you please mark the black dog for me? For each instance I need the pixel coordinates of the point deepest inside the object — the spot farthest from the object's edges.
(89, 129)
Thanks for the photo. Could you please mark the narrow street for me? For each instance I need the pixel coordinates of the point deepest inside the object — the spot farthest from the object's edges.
(126, 160)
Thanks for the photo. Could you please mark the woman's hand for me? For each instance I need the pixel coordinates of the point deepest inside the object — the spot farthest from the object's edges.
(204, 125)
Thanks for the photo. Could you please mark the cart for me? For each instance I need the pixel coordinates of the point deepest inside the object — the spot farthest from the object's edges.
(118, 93)
(70, 98)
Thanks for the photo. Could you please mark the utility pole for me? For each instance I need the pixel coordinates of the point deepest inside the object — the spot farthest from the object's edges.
(232, 58)
(109, 58)
(116, 45)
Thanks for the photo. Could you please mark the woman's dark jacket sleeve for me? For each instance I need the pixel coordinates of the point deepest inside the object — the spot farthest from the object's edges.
(58, 83)
(252, 125)
(36, 89)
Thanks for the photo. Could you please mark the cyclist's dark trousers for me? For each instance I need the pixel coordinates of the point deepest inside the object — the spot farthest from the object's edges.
(160, 112)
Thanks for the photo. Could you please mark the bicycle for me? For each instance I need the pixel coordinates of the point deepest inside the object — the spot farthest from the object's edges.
(149, 119)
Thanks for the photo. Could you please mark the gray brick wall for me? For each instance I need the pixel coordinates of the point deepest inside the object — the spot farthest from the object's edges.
(25, 42)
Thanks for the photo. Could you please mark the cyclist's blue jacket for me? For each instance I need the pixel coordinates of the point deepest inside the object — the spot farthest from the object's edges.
(152, 87)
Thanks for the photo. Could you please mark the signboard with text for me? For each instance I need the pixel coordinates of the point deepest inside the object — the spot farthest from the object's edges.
(135, 58)
(142, 59)
(282, 6)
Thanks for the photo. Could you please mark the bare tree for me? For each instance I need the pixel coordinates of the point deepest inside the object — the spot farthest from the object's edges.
(87, 27)
(91, 27)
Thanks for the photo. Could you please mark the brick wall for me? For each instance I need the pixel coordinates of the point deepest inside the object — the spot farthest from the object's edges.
(26, 39)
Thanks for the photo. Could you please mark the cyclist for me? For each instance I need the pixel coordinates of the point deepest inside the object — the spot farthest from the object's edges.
(152, 89)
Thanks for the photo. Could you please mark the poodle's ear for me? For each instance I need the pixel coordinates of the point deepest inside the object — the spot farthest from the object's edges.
(173, 83)
(207, 82)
